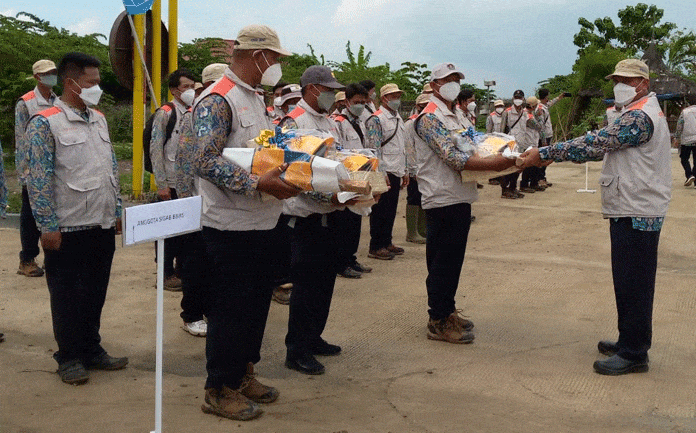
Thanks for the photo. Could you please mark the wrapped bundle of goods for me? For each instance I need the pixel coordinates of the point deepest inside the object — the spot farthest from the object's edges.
(363, 165)
(485, 146)
(305, 171)
(310, 141)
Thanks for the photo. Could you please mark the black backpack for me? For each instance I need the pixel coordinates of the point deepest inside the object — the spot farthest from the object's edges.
(147, 133)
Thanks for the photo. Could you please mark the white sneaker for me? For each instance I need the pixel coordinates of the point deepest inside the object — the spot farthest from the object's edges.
(198, 329)
(689, 181)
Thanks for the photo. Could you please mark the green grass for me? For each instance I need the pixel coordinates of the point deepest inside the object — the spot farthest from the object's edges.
(14, 202)
(123, 150)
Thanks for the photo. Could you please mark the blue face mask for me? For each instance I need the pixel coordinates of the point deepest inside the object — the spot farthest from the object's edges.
(49, 80)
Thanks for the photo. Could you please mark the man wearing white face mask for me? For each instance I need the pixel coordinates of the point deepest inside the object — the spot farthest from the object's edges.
(636, 183)
(164, 143)
(385, 134)
(74, 194)
(466, 108)
(39, 99)
(352, 135)
(238, 224)
(447, 202)
(314, 236)
(494, 120)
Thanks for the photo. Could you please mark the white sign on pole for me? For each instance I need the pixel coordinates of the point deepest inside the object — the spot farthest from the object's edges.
(150, 222)
(158, 221)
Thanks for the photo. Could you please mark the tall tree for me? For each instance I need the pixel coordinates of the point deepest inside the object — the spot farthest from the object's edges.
(638, 26)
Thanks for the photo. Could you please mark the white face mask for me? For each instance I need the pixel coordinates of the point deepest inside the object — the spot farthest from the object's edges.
(394, 104)
(499, 110)
(276, 102)
(49, 80)
(517, 102)
(356, 109)
(471, 107)
(623, 94)
(188, 96)
(91, 95)
(449, 91)
(272, 74)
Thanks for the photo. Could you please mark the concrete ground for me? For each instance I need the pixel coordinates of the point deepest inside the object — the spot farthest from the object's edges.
(536, 281)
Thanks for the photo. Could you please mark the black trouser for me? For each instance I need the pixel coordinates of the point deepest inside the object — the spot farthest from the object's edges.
(77, 276)
(172, 248)
(314, 267)
(349, 224)
(531, 177)
(686, 152)
(413, 195)
(29, 234)
(195, 277)
(283, 240)
(633, 265)
(383, 215)
(447, 233)
(509, 181)
(238, 301)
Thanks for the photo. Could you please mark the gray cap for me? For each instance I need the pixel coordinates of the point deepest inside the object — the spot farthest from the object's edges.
(322, 75)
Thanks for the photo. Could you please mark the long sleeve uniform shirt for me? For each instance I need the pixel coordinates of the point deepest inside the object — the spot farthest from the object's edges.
(633, 128)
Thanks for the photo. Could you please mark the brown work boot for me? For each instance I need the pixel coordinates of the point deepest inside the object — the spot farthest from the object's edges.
(30, 269)
(172, 283)
(254, 390)
(382, 254)
(229, 403)
(448, 330)
(397, 251)
(507, 194)
(466, 324)
(282, 293)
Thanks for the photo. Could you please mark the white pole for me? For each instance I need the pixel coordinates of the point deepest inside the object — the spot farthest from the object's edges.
(592, 191)
(160, 334)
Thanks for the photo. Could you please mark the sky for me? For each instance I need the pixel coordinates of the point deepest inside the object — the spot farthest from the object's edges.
(516, 43)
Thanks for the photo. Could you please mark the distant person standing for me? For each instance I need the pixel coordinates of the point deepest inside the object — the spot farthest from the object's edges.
(547, 131)
(352, 135)
(415, 215)
(685, 138)
(39, 99)
(164, 144)
(385, 134)
(74, 193)
(494, 120)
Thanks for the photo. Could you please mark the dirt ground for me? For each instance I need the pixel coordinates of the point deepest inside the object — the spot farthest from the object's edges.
(536, 281)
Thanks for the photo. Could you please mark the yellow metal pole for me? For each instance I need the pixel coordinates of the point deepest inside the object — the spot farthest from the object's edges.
(173, 37)
(156, 71)
(138, 109)
(156, 53)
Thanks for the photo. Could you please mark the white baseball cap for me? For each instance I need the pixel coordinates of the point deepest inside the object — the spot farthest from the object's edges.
(445, 70)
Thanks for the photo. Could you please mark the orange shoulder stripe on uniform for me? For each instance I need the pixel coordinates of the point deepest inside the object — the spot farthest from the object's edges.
(377, 113)
(640, 104)
(276, 122)
(297, 112)
(413, 116)
(340, 118)
(270, 109)
(224, 86)
(28, 96)
(166, 107)
(430, 108)
(49, 112)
